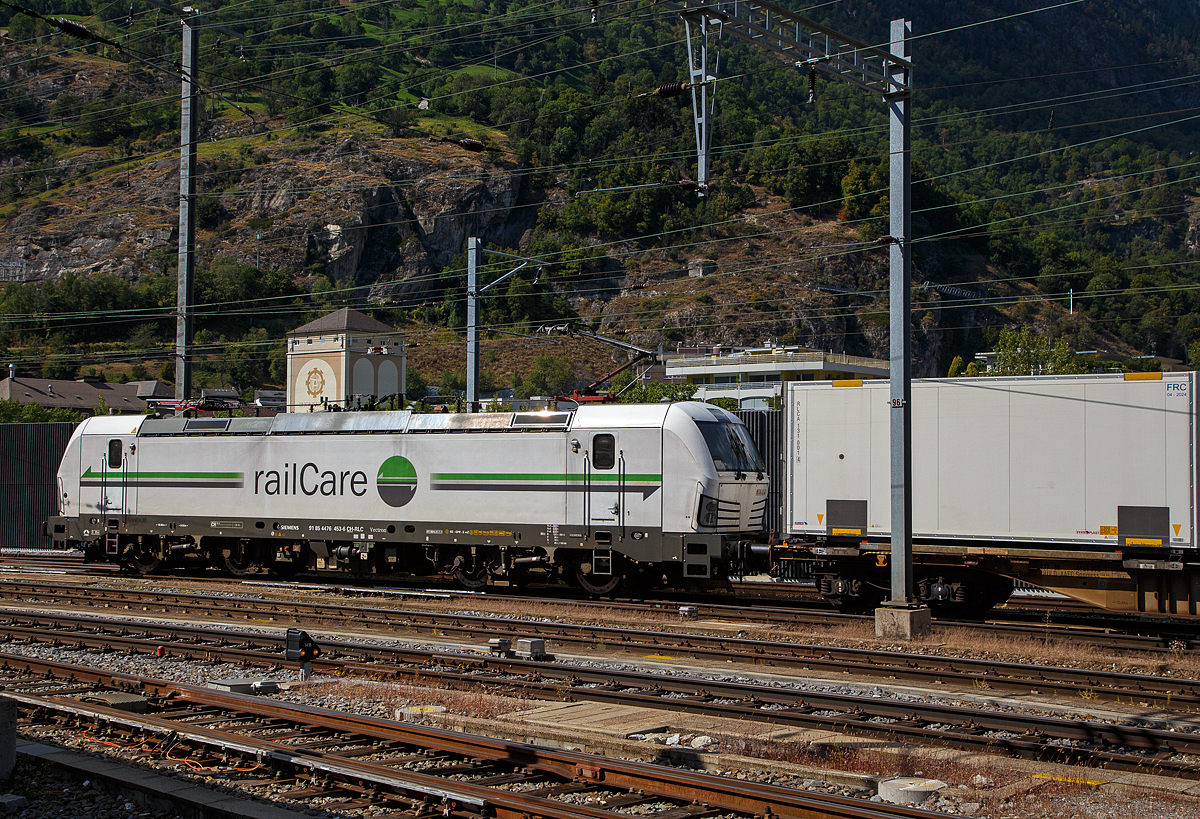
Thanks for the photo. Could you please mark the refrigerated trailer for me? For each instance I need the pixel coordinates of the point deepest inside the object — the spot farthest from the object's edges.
(1084, 484)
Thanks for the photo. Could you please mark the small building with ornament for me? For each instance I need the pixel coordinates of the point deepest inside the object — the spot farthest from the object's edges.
(343, 360)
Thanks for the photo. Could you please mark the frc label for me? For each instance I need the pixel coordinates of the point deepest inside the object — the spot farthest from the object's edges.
(1177, 389)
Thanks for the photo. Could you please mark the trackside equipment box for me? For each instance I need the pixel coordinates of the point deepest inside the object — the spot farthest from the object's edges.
(1085, 462)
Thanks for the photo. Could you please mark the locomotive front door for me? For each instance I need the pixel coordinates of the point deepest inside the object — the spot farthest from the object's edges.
(604, 465)
(107, 468)
(618, 475)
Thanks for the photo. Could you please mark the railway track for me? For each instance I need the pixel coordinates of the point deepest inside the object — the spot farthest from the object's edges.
(1158, 745)
(1155, 637)
(837, 662)
(355, 762)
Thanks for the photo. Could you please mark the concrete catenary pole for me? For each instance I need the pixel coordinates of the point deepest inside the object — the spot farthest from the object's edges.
(184, 306)
(900, 309)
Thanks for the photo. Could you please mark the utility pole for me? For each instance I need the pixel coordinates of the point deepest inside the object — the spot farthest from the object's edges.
(189, 117)
(813, 47)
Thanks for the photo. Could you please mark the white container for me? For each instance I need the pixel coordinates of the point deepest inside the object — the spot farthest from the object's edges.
(1095, 462)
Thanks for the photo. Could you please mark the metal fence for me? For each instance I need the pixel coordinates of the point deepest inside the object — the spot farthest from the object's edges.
(29, 456)
(766, 429)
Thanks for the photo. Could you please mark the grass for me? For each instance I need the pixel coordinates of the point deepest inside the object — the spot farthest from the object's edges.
(999, 791)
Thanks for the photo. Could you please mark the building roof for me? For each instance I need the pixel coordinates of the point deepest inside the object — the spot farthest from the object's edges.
(775, 361)
(341, 320)
(82, 395)
(153, 389)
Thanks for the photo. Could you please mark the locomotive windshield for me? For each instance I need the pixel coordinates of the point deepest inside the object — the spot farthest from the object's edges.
(731, 447)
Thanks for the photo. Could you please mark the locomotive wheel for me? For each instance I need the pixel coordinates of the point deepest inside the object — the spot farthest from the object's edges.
(472, 579)
(241, 559)
(471, 572)
(142, 560)
(598, 585)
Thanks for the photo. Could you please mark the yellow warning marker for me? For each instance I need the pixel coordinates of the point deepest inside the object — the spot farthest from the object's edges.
(657, 657)
(820, 519)
(1176, 526)
(1074, 780)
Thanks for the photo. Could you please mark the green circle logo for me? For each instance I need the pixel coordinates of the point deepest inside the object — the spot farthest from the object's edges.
(396, 481)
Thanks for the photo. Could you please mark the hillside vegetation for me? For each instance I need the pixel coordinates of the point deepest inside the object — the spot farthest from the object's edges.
(350, 148)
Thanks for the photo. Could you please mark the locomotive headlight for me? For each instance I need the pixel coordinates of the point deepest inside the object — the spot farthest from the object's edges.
(706, 515)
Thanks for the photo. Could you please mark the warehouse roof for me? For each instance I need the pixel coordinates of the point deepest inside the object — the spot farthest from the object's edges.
(344, 319)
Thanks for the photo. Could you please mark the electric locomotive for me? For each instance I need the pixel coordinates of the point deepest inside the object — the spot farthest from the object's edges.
(599, 497)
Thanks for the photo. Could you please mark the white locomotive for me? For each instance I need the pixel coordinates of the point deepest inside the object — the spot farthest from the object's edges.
(595, 497)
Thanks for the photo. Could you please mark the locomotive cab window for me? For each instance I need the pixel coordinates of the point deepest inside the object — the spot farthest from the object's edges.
(114, 453)
(604, 451)
(731, 447)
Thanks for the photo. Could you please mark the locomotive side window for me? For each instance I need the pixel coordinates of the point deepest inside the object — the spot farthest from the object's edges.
(114, 453)
(604, 451)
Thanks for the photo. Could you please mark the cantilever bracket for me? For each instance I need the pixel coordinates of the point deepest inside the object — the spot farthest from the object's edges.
(701, 25)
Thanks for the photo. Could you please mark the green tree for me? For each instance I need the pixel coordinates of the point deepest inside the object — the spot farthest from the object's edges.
(956, 367)
(653, 392)
(1024, 352)
(415, 385)
(551, 375)
(1193, 355)
(13, 412)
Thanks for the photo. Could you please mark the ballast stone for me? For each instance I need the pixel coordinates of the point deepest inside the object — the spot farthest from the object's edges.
(10, 803)
(246, 686)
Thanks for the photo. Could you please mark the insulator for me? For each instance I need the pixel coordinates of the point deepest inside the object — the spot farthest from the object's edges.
(472, 144)
(73, 28)
(671, 89)
(812, 87)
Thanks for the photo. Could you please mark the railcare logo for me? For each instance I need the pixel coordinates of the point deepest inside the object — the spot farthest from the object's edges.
(396, 481)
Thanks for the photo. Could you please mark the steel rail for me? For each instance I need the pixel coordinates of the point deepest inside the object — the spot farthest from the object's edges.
(188, 713)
